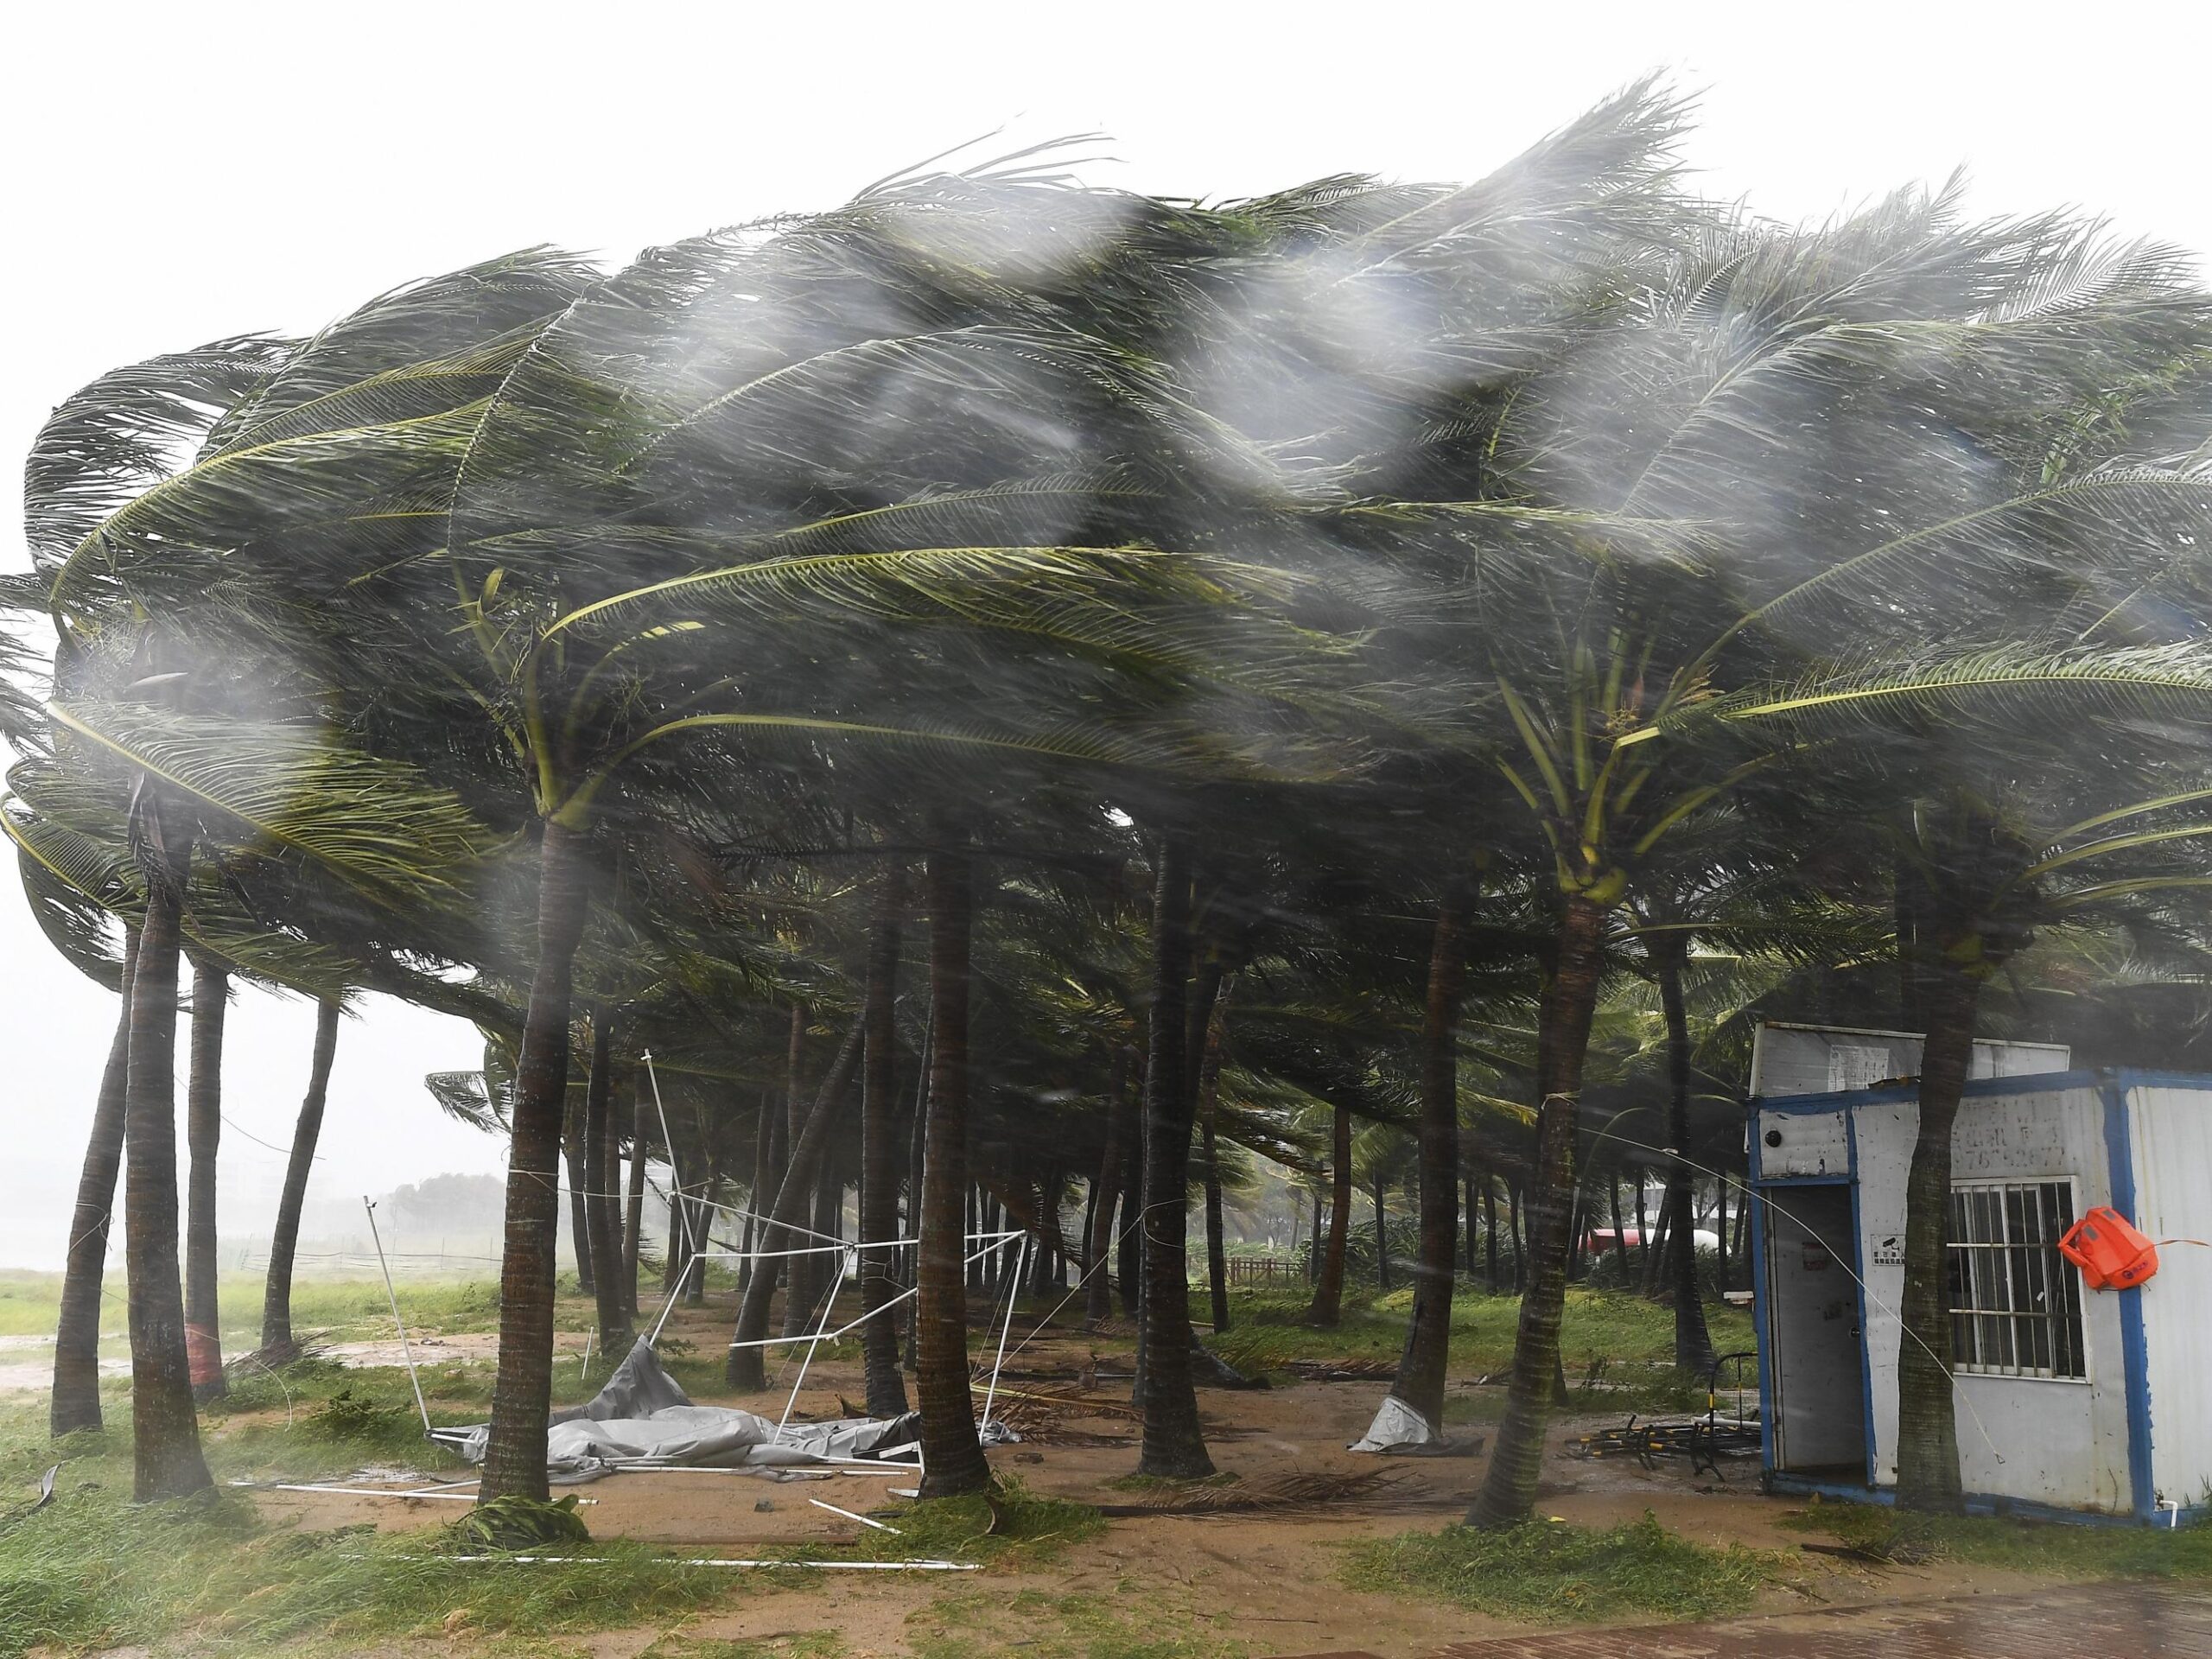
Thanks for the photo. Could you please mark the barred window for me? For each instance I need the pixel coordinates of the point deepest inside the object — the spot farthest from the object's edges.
(2016, 1303)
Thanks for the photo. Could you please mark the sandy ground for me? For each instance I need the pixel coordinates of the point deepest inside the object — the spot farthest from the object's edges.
(1270, 1579)
(27, 1364)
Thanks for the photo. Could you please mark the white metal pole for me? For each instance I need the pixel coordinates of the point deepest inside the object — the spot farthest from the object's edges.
(678, 1198)
(1020, 1262)
(391, 1295)
(667, 1308)
(821, 1325)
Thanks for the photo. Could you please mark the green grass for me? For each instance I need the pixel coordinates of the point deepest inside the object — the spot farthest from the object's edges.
(1016, 1528)
(1548, 1571)
(92, 1571)
(1619, 1330)
(2050, 1548)
(340, 1309)
(29, 1303)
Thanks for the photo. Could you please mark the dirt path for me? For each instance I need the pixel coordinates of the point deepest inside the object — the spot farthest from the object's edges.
(1270, 1579)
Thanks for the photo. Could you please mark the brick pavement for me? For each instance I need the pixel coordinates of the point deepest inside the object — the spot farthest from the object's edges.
(2110, 1621)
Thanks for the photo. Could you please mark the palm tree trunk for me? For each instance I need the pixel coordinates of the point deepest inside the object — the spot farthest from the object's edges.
(700, 1206)
(797, 1270)
(76, 1401)
(522, 1392)
(203, 1133)
(602, 1219)
(165, 1430)
(676, 1260)
(1328, 1294)
(1381, 1235)
(761, 1190)
(1508, 1491)
(1106, 1189)
(1720, 1228)
(1490, 1232)
(828, 1223)
(1090, 1226)
(575, 1156)
(1129, 1266)
(1174, 1446)
(1693, 1343)
(887, 1389)
(1741, 1249)
(952, 1457)
(1467, 1237)
(277, 1342)
(619, 1110)
(1048, 1272)
(633, 1226)
(745, 1369)
(1420, 1381)
(1209, 1111)
(1520, 1237)
(1620, 1233)
(1646, 1259)
(1928, 1436)
(917, 1142)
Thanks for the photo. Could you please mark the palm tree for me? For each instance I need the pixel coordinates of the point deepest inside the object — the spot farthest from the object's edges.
(602, 1213)
(211, 991)
(76, 1398)
(879, 1216)
(600, 615)
(952, 1457)
(278, 1344)
(165, 1433)
(1420, 1381)
(2038, 820)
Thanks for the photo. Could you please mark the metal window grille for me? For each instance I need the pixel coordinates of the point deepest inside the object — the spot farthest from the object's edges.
(2015, 1302)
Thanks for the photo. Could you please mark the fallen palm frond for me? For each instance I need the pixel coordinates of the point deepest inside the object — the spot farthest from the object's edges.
(1077, 1404)
(1275, 1494)
(1342, 1371)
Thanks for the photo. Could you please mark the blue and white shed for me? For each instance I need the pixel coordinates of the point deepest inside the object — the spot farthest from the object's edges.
(2068, 1399)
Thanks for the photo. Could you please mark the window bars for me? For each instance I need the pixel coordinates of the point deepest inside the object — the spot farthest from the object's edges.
(2015, 1303)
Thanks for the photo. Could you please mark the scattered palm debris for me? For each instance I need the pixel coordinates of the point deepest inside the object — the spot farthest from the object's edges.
(1273, 1494)
(1342, 1371)
(1882, 1551)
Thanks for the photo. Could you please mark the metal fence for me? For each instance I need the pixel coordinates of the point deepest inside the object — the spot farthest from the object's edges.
(1264, 1270)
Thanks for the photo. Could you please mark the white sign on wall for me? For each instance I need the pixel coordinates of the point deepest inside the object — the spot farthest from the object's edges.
(1857, 1065)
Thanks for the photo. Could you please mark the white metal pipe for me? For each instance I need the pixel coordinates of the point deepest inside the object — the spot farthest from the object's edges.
(828, 1307)
(1012, 1295)
(879, 1526)
(405, 1352)
(681, 1201)
(847, 1330)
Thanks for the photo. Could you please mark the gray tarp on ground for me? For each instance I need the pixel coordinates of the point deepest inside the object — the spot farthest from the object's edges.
(643, 1418)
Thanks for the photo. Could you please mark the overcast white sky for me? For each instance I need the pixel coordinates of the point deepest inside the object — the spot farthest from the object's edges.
(176, 173)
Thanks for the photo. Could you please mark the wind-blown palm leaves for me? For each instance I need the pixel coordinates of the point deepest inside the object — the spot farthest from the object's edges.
(1459, 596)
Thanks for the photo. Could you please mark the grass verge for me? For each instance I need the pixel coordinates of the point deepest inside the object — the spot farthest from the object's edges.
(1608, 1331)
(2054, 1549)
(1548, 1571)
(1013, 1528)
(92, 1571)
